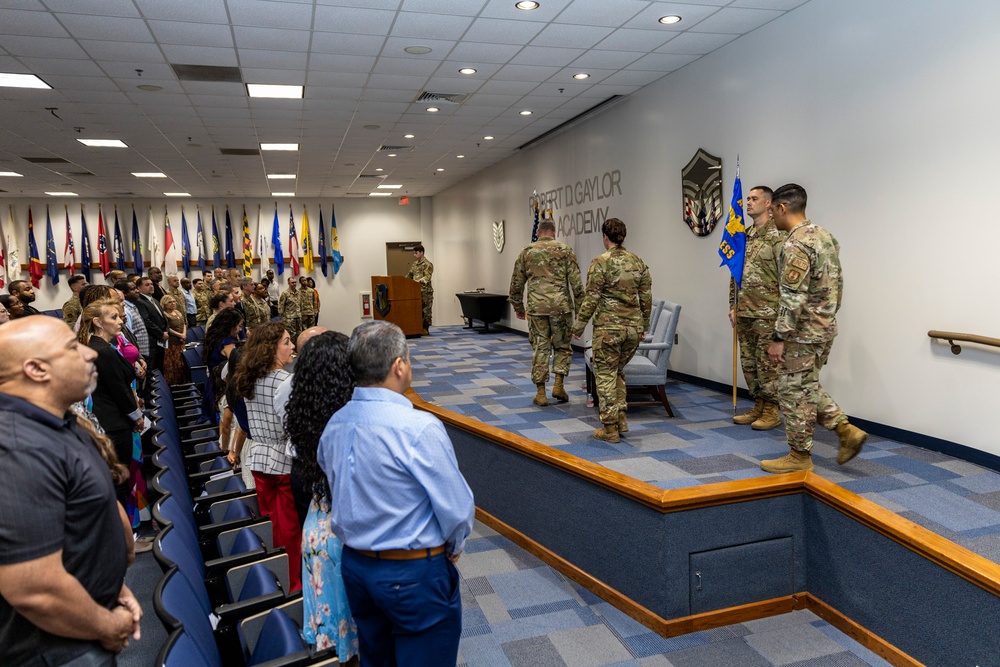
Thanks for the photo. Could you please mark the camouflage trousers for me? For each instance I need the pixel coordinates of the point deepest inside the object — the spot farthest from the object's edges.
(612, 349)
(803, 401)
(427, 300)
(550, 334)
(293, 325)
(759, 371)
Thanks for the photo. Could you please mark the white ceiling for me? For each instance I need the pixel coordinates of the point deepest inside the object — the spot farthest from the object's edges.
(360, 86)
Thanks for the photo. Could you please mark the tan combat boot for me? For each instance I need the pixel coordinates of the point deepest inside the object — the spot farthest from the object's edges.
(794, 461)
(852, 439)
(540, 398)
(558, 391)
(622, 422)
(752, 415)
(768, 419)
(608, 434)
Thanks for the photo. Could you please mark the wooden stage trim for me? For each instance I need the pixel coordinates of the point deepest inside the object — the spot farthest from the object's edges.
(945, 553)
(708, 620)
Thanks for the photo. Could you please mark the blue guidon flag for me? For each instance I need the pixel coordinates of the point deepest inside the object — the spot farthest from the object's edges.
(734, 236)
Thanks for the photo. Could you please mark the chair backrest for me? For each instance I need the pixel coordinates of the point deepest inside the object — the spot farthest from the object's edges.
(279, 637)
(176, 602)
(246, 541)
(259, 581)
(194, 334)
(666, 328)
(654, 313)
(180, 650)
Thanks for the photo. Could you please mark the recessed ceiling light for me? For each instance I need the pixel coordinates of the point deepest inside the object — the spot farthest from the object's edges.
(149, 88)
(379, 194)
(176, 194)
(103, 143)
(389, 186)
(440, 168)
(275, 91)
(669, 20)
(279, 147)
(22, 81)
(581, 76)
(408, 136)
(488, 137)
(281, 176)
(433, 109)
(466, 70)
(418, 50)
(10, 173)
(527, 5)
(62, 194)
(378, 169)
(525, 113)
(392, 155)
(460, 156)
(149, 174)
(282, 194)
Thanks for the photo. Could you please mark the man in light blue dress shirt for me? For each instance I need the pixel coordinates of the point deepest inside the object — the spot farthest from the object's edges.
(401, 507)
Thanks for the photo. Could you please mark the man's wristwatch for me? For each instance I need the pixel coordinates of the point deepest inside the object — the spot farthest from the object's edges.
(776, 337)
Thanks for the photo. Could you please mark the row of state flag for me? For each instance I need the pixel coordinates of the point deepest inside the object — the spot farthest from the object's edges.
(262, 247)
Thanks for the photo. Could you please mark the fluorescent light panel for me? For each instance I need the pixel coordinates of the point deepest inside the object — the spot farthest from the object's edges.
(379, 194)
(386, 186)
(275, 91)
(10, 173)
(281, 176)
(282, 194)
(149, 174)
(62, 194)
(103, 143)
(279, 147)
(9, 80)
(176, 194)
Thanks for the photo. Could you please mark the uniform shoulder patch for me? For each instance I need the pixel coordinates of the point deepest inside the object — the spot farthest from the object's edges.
(799, 263)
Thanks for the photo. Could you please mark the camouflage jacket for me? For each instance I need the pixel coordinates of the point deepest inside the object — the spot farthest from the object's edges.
(288, 305)
(178, 295)
(811, 285)
(307, 301)
(71, 310)
(551, 273)
(257, 311)
(201, 299)
(758, 296)
(421, 271)
(618, 293)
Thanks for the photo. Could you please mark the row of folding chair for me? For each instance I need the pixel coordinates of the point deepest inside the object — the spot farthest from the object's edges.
(223, 596)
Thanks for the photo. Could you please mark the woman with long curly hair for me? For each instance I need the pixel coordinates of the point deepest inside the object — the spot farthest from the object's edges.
(219, 341)
(261, 369)
(321, 385)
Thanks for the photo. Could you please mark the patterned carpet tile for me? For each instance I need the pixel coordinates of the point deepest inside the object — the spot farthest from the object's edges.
(487, 377)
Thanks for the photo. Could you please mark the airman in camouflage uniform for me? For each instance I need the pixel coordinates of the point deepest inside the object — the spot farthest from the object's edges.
(811, 286)
(421, 271)
(619, 298)
(755, 308)
(289, 309)
(202, 295)
(307, 304)
(552, 275)
(256, 309)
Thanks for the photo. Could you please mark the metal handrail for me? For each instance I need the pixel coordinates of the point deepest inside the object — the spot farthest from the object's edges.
(951, 337)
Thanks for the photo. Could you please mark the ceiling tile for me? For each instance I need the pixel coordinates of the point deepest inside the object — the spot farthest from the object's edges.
(484, 53)
(430, 26)
(601, 12)
(42, 47)
(351, 45)
(525, 73)
(451, 7)
(543, 55)
(405, 66)
(192, 34)
(736, 20)
(198, 11)
(571, 36)
(268, 14)
(31, 24)
(659, 62)
(612, 60)
(200, 55)
(691, 15)
(497, 31)
(628, 39)
(132, 52)
(271, 39)
(94, 7)
(353, 20)
(698, 43)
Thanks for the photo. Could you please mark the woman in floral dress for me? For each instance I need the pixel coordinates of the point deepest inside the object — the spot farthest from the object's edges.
(321, 385)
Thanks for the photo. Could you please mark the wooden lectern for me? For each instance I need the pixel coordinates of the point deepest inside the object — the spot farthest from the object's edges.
(405, 305)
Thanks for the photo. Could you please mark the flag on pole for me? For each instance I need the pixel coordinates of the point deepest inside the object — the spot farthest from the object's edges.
(321, 243)
(262, 255)
(69, 250)
(34, 263)
(338, 259)
(13, 250)
(51, 263)
(734, 236)
(307, 246)
(247, 246)
(279, 258)
(199, 241)
(216, 257)
(155, 249)
(293, 242)
(137, 264)
(103, 258)
(230, 254)
(85, 258)
(185, 245)
(119, 244)
(3, 256)
(534, 208)
(172, 252)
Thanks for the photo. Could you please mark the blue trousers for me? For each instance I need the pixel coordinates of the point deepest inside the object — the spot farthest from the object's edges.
(408, 613)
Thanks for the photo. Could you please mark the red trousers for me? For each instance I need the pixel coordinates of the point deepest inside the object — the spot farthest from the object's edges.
(274, 495)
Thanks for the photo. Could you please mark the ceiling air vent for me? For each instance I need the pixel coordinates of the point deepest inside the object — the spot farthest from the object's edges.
(447, 98)
(370, 176)
(74, 173)
(394, 149)
(46, 160)
(239, 151)
(210, 73)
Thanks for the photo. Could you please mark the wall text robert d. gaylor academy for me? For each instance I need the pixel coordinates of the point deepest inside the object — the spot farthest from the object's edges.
(573, 195)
